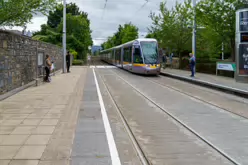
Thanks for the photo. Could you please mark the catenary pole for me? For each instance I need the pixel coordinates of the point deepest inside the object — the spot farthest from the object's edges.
(64, 36)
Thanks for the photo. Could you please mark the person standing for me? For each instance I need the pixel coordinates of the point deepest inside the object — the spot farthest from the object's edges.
(68, 61)
(48, 65)
(164, 61)
(171, 59)
(192, 64)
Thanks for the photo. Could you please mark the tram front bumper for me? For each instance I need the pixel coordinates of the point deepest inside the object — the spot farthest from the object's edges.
(152, 69)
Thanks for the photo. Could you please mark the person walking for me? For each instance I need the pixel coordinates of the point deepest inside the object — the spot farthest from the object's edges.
(68, 61)
(48, 65)
(164, 58)
(89, 59)
(192, 64)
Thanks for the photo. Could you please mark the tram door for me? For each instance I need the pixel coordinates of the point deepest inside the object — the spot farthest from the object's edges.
(136, 55)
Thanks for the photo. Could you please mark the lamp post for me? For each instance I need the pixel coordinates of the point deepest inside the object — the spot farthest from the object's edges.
(64, 36)
(194, 30)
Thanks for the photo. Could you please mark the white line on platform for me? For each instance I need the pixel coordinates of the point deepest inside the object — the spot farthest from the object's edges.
(102, 66)
(111, 142)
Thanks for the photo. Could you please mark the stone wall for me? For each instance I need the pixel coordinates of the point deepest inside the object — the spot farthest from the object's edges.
(21, 59)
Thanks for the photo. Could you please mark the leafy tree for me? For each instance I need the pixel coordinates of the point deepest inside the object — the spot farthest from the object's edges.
(125, 33)
(220, 19)
(20, 12)
(56, 16)
(172, 27)
(78, 35)
(129, 33)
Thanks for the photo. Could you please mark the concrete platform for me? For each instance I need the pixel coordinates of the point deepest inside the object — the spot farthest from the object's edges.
(224, 84)
(90, 145)
(37, 125)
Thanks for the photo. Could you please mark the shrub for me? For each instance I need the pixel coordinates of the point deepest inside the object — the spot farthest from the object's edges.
(77, 62)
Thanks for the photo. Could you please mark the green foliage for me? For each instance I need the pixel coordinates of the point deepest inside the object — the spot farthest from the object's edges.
(77, 62)
(125, 33)
(78, 33)
(74, 53)
(215, 24)
(20, 12)
(218, 17)
(55, 16)
(171, 27)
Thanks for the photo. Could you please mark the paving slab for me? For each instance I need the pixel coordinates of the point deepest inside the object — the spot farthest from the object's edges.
(218, 82)
(90, 144)
(211, 123)
(156, 132)
(37, 125)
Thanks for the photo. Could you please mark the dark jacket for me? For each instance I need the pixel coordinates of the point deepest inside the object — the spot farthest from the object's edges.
(68, 58)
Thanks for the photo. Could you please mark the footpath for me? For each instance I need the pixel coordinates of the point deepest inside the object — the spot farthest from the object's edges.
(37, 125)
(218, 82)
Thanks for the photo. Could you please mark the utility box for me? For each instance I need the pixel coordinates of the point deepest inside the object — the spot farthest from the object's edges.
(241, 46)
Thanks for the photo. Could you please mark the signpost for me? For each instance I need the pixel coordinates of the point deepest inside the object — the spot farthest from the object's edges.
(242, 45)
(226, 66)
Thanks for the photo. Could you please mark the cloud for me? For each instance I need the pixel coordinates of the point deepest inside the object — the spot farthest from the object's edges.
(105, 22)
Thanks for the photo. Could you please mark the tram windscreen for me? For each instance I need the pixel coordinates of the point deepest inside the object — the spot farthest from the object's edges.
(150, 52)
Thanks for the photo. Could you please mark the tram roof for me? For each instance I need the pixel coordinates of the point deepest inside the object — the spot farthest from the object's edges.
(130, 42)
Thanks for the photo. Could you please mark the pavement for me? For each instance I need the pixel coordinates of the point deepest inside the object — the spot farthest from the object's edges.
(218, 82)
(37, 125)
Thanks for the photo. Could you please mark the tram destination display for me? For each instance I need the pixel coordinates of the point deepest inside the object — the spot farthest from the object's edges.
(243, 59)
(243, 21)
(244, 37)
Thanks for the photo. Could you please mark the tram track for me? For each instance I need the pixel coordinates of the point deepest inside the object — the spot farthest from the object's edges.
(195, 97)
(144, 159)
(138, 149)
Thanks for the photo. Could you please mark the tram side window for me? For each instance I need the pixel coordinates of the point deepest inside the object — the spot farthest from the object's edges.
(127, 54)
(117, 54)
(112, 54)
(137, 55)
(125, 57)
(130, 54)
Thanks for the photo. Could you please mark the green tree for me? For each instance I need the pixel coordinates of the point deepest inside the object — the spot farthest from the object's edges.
(172, 27)
(78, 34)
(77, 30)
(219, 21)
(20, 12)
(125, 33)
(56, 16)
(129, 33)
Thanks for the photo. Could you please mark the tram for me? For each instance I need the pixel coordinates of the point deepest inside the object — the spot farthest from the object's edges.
(137, 56)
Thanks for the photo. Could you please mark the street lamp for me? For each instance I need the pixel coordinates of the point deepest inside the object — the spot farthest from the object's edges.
(64, 36)
(194, 30)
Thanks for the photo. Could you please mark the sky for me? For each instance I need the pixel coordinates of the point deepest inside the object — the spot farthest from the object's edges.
(104, 23)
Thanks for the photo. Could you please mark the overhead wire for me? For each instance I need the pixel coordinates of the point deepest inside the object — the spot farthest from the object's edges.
(142, 6)
(106, 1)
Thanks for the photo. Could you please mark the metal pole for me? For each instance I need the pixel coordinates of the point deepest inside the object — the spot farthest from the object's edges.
(194, 30)
(64, 36)
(222, 51)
